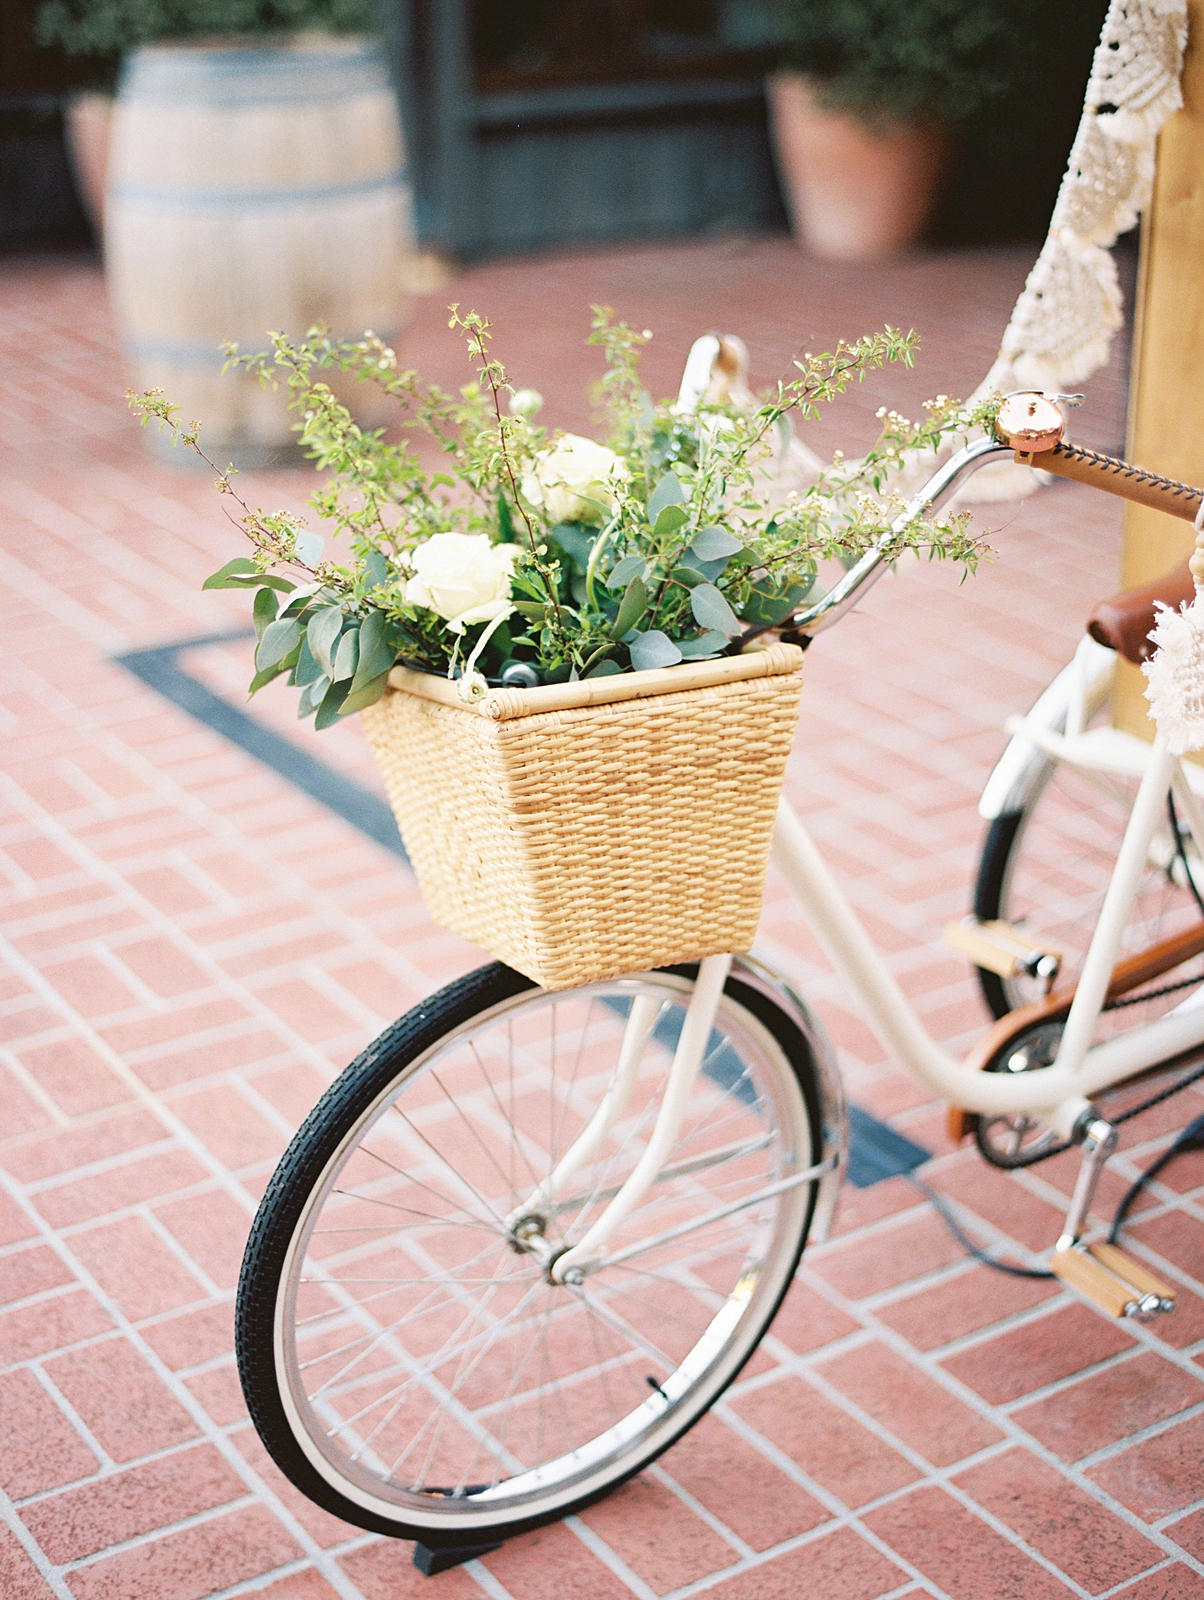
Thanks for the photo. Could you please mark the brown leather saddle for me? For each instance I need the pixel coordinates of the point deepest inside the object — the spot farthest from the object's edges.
(1124, 622)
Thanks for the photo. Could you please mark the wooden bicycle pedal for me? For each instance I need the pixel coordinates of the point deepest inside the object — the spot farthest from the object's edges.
(998, 947)
(1111, 1279)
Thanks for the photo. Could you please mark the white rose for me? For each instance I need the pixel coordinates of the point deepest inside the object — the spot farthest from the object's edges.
(463, 577)
(574, 480)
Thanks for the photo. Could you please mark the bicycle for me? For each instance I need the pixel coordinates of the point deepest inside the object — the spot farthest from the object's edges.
(528, 1238)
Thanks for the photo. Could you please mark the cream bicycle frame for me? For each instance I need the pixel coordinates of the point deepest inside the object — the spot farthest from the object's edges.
(1057, 1095)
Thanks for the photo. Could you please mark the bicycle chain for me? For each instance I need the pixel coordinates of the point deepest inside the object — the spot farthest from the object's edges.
(1153, 994)
(1123, 1116)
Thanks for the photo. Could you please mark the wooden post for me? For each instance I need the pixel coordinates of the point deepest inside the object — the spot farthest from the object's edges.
(1166, 399)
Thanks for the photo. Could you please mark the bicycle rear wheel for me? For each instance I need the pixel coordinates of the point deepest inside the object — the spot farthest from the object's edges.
(406, 1359)
(1046, 869)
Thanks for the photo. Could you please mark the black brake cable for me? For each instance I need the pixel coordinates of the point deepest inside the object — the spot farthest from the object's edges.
(941, 1206)
(1181, 849)
(1192, 1138)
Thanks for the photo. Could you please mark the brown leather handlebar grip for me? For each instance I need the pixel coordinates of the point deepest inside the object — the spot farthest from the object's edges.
(1117, 477)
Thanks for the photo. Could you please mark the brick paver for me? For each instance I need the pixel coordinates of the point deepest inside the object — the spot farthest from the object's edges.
(192, 949)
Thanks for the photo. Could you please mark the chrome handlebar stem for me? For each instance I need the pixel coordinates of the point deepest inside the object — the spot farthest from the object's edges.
(875, 561)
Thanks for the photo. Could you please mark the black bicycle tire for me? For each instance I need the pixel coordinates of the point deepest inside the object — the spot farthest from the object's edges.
(305, 1160)
(993, 860)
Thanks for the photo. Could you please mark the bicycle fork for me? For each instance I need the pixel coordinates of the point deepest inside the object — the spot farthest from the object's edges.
(1105, 1274)
(526, 1222)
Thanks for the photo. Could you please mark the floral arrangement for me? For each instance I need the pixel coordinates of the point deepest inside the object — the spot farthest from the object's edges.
(531, 557)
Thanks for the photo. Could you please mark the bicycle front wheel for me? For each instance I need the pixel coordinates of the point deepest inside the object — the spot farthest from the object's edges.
(405, 1354)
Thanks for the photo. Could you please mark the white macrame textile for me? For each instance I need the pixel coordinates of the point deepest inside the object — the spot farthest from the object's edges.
(1175, 672)
(1175, 676)
(1062, 325)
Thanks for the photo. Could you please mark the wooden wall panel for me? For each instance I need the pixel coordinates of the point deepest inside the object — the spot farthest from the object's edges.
(1166, 408)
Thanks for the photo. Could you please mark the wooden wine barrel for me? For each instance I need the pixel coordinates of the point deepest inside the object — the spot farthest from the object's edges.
(253, 185)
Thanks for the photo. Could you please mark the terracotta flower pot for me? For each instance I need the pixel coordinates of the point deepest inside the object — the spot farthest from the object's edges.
(88, 119)
(853, 193)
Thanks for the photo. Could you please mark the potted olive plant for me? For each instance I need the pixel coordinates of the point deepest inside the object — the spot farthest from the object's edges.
(868, 95)
(255, 180)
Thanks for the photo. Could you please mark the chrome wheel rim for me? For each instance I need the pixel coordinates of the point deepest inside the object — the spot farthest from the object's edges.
(428, 1366)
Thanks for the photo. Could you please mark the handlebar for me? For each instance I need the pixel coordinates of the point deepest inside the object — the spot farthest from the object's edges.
(1029, 429)
(860, 578)
(1115, 476)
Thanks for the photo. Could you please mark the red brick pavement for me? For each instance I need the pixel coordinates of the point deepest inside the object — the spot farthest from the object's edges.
(192, 949)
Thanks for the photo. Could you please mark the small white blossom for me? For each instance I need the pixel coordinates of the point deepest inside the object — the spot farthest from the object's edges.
(471, 687)
(525, 403)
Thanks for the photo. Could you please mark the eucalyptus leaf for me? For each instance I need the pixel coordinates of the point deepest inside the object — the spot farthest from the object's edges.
(593, 658)
(707, 644)
(308, 546)
(714, 544)
(307, 668)
(242, 573)
(312, 696)
(279, 639)
(268, 578)
(261, 679)
(623, 571)
(767, 607)
(708, 571)
(324, 629)
(299, 599)
(377, 651)
(376, 569)
(575, 541)
(241, 566)
(690, 576)
(711, 610)
(653, 649)
(669, 520)
(264, 609)
(631, 608)
(346, 657)
(332, 705)
(604, 669)
(366, 695)
(668, 492)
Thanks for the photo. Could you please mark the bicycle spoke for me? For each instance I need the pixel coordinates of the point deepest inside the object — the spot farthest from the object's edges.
(431, 1350)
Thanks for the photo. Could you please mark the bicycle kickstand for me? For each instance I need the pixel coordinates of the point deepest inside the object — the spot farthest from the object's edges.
(1103, 1273)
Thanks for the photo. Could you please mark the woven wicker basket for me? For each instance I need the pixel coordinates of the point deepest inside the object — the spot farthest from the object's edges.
(579, 831)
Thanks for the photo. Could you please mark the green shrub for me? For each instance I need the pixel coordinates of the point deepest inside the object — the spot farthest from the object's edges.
(951, 61)
(107, 27)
